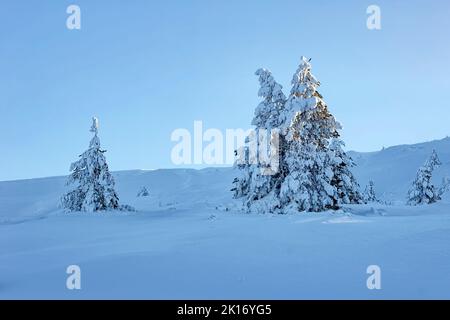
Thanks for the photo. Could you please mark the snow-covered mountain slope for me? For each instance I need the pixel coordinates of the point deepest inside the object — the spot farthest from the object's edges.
(187, 240)
(393, 169)
(169, 189)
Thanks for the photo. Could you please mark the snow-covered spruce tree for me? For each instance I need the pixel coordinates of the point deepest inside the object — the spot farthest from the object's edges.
(307, 186)
(264, 177)
(343, 179)
(318, 174)
(241, 183)
(422, 190)
(369, 193)
(267, 113)
(93, 184)
(258, 176)
(304, 95)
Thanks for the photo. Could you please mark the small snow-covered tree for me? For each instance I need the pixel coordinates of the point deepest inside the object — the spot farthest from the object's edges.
(445, 186)
(93, 184)
(143, 192)
(422, 190)
(369, 193)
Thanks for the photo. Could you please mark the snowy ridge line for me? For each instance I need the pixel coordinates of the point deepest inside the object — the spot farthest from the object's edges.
(392, 171)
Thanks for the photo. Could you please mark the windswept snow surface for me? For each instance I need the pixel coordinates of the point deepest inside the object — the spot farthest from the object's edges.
(187, 240)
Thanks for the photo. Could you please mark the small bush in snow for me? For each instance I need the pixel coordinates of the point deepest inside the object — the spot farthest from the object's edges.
(143, 192)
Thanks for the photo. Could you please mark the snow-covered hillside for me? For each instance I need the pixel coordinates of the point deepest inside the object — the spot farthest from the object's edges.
(170, 189)
(394, 168)
(187, 239)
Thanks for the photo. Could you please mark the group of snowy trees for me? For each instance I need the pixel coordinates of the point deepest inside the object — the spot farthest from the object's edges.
(313, 171)
(422, 190)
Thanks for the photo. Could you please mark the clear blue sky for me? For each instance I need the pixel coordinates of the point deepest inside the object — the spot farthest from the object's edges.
(146, 68)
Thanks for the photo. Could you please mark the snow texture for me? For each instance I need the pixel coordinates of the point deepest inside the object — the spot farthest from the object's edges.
(190, 241)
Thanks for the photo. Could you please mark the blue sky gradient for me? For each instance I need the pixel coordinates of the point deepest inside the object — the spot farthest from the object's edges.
(146, 68)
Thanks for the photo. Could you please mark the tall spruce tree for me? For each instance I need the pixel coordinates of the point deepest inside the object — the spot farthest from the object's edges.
(422, 190)
(263, 176)
(307, 186)
(256, 177)
(315, 150)
(93, 184)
